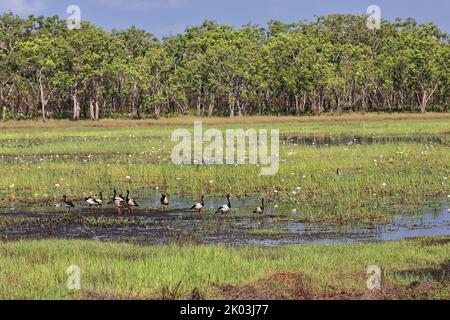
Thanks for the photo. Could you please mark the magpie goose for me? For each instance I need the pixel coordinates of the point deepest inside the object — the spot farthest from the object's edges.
(225, 208)
(68, 204)
(130, 202)
(199, 205)
(164, 201)
(260, 210)
(91, 202)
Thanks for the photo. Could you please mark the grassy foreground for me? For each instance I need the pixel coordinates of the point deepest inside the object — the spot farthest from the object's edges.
(416, 268)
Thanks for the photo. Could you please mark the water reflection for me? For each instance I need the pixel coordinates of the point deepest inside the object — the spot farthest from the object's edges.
(177, 225)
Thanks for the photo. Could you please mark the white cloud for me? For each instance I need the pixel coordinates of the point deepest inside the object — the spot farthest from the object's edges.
(143, 5)
(22, 7)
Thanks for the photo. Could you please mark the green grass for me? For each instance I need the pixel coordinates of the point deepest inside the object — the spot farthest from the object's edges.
(126, 129)
(39, 165)
(37, 269)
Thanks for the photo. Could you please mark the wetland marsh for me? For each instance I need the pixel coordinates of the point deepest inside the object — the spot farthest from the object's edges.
(359, 186)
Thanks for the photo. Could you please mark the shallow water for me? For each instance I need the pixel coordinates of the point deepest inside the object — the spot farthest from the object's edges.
(176, 225)
(323, 141)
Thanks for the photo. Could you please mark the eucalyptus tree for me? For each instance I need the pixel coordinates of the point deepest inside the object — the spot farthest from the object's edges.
(13, 31)
(129, 46)
(43, 62)
(213, 69)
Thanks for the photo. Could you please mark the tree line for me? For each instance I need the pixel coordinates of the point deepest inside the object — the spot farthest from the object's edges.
(329, 65)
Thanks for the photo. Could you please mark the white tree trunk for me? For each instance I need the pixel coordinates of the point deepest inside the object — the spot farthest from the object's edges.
(91, 109)
(42, 96)
(97, 110)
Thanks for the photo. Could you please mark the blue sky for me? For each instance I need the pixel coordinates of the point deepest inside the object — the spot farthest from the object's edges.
(165, 17)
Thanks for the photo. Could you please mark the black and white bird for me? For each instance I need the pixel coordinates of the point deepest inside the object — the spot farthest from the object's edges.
(118, 201)
(130, 202)
(67, 204)
(260, 210)
(199, 205)
(115, 197)
(91, 202)
(225, 208)
(100, 199)
(164, 201)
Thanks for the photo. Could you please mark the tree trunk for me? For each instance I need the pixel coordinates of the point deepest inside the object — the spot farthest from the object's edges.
(238, 104)
(303, 105)
(426, 96)
(41, 93)
(97, 110)
(76, 104)
(231, 106)
(180, 107)
(91, 109)
(211, 107)
(199, 108)
(137, 98)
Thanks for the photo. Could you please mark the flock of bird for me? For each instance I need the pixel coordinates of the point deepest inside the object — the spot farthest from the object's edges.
(129, 204)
